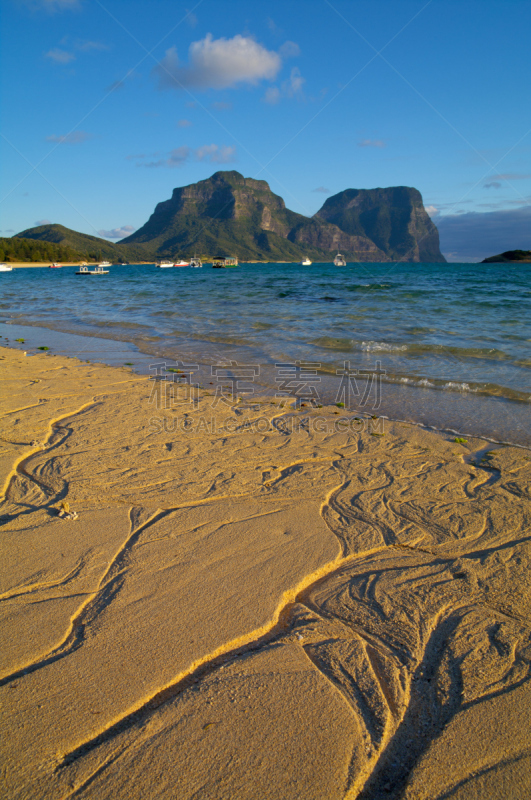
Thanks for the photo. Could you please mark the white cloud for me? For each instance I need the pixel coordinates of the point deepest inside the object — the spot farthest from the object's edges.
(184, 123)
(60, 56)
(272, 95)
(211, 153)
(273, 27)
(190, 18)
(43, 222)
(66, 56)
(289, 50)
(372, 143)
(87, 46)
(431, 211)
(322, 190)
(513, 176)
(75, 137)
(215, 154)
(218, 64)
(117, 233)
(292, 87)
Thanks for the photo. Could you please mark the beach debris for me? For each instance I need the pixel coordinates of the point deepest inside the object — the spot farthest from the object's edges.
(36, 443)
(20, 340)
(460, 440)
(65, 513)
(43, 347)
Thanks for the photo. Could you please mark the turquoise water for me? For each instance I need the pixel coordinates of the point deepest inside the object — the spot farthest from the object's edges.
(461, 330)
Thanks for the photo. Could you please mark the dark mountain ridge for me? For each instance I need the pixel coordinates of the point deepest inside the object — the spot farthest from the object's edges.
(242, 217)
(394, 219)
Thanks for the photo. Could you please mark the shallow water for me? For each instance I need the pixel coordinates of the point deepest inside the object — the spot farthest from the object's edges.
(456, 333)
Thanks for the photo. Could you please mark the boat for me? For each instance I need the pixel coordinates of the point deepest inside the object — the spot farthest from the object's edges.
(5, 268)
(222, 262)
(104, 264)
(339, 261)
(196, 262)
(165, 264)
(55, 266)
(306, 262)
(96, 271)
(182, 264)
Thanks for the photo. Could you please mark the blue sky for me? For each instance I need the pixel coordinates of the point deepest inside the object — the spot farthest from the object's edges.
(109, 105)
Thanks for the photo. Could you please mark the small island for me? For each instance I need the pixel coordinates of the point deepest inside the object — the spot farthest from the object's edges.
(510, 256)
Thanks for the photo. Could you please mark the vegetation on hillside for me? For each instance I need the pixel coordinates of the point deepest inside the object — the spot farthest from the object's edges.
(87, 248)
(28, 250)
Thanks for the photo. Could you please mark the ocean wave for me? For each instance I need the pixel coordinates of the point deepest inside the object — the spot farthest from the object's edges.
(383, 347)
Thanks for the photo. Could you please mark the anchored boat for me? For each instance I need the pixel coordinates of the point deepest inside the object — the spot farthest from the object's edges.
(306, 262)
(339, 261)
(222, 262)
(96, 271)
(165, 264)
(5, 268)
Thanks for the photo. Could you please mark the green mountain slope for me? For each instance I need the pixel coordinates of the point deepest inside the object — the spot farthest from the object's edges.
(394, 219)
(31, 250)
(242, 217)
(89, 248)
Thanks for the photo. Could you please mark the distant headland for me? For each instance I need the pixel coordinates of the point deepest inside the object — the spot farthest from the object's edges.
(510, 256)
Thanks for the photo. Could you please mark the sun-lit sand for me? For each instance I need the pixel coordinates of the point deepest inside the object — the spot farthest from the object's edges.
(254, 601)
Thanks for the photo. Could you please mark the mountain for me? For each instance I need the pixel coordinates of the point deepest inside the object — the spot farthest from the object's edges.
(89, 248)
(228, 214)
(242, 217)
(511, 256)
(394, 219)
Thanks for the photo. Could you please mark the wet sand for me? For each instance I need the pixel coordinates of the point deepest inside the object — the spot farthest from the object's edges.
(254, 602)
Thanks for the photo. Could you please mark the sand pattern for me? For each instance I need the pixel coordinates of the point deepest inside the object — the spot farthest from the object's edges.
(250, 604)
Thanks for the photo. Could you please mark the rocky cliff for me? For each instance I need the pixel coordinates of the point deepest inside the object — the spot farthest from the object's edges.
(393, 218)
(244, 218)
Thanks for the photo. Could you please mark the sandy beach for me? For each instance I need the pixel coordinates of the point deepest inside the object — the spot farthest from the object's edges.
(253, 600)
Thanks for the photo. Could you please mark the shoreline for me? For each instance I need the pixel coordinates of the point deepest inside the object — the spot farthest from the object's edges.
(428, 407)
(281, 575)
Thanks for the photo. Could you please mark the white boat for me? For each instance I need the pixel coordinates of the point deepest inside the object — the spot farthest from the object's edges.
(182, 264)
(196, 262)
(96, 271)
(339, 261)
(306, 262)
(5, 268)
(104, 264)
(165, 264)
